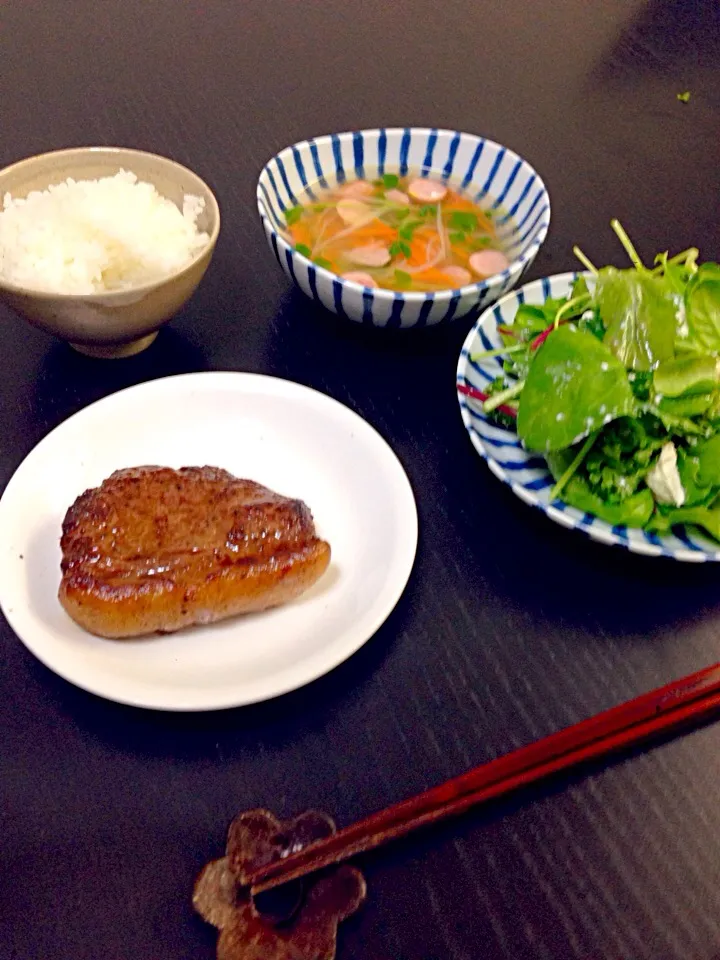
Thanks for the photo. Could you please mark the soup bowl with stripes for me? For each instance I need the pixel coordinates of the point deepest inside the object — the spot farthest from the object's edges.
(489, 174)
(527, 473)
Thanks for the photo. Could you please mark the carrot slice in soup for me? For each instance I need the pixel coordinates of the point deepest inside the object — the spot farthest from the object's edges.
(376, 230)
(300, 233)
(434, 276)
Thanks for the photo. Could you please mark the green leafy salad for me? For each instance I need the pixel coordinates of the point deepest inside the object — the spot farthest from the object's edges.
(618, 387)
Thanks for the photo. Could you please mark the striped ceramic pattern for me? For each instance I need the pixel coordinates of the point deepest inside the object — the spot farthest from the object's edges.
(493, 175)
(527, 473)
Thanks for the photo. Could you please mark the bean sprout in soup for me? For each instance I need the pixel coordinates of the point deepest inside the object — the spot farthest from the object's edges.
(400, 233)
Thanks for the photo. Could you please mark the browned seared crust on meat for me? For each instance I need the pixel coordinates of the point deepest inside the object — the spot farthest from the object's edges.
(154, 549)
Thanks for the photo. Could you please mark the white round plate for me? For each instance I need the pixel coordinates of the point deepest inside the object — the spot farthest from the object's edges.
(526, 473)
(294, 440)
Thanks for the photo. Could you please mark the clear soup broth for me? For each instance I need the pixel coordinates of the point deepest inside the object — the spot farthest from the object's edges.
(401, 233)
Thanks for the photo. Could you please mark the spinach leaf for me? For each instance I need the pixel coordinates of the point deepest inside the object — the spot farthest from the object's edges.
(517, 365)
(529, 320)
(684, 375)
(573, 386)
(635, 511)
(532, 319)
(676, 277)
(713, 413)
(588, 315)
(579, 288)
(592, 322)
(688, 468)
(707, 517)
(702, 304)
(640, 313)
(678, 424)
(559, 460)
(708, 454)
(692, 406)
(676, 274)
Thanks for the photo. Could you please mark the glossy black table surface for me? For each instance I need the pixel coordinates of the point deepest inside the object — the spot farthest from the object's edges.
(510, 627)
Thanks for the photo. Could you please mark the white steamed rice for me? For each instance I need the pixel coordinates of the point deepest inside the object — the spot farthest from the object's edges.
(91, 236)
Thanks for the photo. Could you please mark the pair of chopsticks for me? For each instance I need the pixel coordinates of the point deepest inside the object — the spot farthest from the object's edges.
(685, 701)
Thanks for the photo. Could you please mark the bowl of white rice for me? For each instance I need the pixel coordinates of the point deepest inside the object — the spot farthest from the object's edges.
(100, 246)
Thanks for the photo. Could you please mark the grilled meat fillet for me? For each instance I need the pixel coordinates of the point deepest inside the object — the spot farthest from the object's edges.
(154, 549)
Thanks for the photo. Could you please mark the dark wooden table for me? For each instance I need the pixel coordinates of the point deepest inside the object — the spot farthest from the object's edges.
(510, 627)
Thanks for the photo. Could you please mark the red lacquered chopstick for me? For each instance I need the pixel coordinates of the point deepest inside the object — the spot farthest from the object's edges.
(690, 699)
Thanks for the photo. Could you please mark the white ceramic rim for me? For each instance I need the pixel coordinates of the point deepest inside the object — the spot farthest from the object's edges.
(358, 633)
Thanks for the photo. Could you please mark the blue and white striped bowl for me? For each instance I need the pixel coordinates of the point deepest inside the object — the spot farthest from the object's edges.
(527, 474)
(493, 175)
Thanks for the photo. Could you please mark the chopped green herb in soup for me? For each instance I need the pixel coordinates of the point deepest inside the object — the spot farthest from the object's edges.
(400, 233)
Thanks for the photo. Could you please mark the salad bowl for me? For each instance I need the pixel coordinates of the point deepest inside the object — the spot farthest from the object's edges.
(527, 473)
